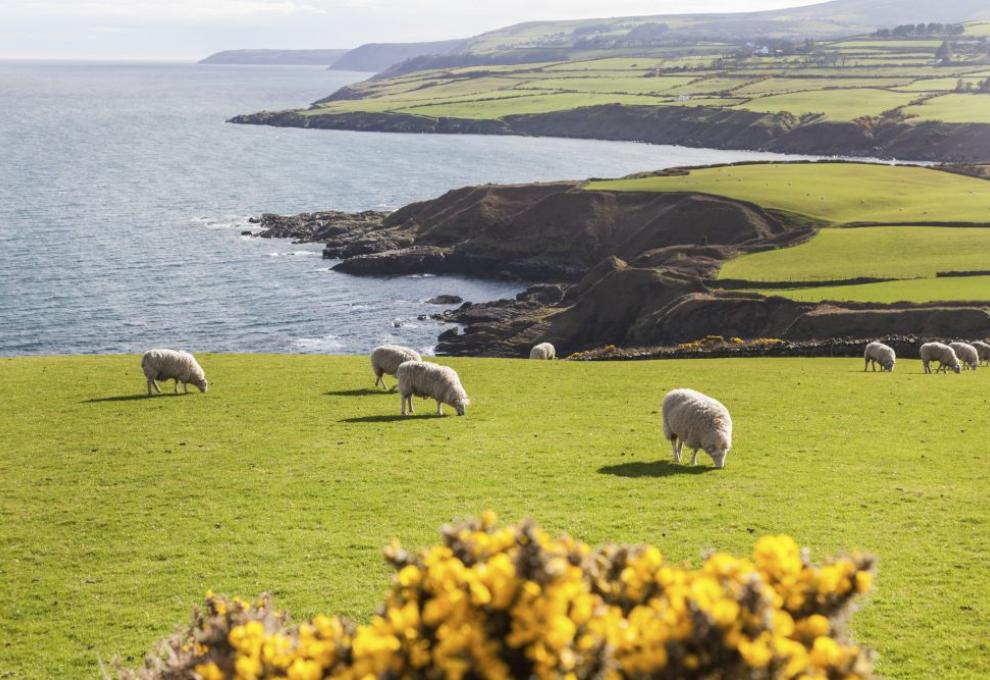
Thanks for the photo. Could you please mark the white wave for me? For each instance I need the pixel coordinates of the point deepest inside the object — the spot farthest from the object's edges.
(296, 253)
(223, 222)
(327, 344)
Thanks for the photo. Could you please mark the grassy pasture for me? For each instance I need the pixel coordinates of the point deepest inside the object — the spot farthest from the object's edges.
(838, 193)
(841, 104)
(882, 252)
(783, 85)
(118, 511)
(969, 288)
(538, 103)
(954, 108)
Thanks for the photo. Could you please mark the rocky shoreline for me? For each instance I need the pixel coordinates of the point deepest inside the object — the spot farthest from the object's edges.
(696, 126)
(622, 269)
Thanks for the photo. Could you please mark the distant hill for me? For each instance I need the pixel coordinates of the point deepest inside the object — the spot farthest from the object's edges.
(824, 20)
(276, 57)
(379, 56)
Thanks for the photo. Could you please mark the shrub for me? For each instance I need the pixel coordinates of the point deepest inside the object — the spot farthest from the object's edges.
(511, 602)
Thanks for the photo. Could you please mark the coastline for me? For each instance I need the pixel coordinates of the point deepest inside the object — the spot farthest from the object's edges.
(695, 127)
(628, 269)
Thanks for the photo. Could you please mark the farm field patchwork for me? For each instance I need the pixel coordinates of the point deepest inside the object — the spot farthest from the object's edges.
(117, 512)
(838, 193)
(843, 80)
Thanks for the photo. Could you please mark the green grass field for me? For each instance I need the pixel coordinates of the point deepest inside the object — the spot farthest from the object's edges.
(968, 288)
(837, 193)
(842, 104)
(880, 252)
(118, 512)
(954, 108)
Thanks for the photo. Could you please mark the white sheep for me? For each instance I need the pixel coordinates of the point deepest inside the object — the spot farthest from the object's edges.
(543, 351)
(943, 354)
(692, 418)
(387, 358)
(879, 353)
(170, 364)
(967, 354)
(423, 379)
(983, 349)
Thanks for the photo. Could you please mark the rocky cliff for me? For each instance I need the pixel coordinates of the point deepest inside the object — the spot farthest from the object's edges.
(626, 269)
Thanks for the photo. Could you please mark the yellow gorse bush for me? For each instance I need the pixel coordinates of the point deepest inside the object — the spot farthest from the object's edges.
(511, 602)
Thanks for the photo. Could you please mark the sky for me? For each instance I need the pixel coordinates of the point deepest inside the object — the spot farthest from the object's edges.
(191, 29)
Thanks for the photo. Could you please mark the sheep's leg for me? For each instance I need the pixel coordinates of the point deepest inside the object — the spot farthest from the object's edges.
(866, 364)
(677, 449)
(694, 456)
(151, 385)
(403, 398)
(185, 387)
(439, 408)
(378, 379)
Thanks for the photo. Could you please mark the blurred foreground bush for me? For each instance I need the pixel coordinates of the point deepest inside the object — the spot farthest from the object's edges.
(511, 602)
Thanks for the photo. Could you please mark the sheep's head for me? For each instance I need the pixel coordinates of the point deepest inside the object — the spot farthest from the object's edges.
(201, 383)
(889, 367)
(461, 406)
(956, 367)
(719, 456)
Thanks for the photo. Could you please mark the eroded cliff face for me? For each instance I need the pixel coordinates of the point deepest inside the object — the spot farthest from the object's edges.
(687, 126)
(611, 268)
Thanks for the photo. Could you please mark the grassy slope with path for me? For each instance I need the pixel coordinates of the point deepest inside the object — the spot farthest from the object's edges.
(118, 511)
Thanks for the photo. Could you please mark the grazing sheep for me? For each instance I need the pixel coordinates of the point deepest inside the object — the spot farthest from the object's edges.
(967, 354)
(879, 353)
(543, 351)
(943, 354)
(983, 349)
(692, 418)
(387, 358)
(169, 364)
(422, 379)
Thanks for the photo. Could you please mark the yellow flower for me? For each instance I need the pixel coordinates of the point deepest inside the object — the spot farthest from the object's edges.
(825, 652)
(209, 671)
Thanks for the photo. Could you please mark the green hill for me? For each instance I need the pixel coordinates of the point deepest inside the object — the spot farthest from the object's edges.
(119, 511)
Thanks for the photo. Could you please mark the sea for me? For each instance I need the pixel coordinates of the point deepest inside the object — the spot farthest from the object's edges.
(124, 195)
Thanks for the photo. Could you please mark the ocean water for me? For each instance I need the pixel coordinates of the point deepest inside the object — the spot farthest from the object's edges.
(123, 194)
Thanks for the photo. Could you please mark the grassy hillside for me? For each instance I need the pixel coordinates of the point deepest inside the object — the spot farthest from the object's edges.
(838, 193)
(118, 512)
(879, 252)
(841, 17)
(846, 193)
(841, 80)
(967, 288)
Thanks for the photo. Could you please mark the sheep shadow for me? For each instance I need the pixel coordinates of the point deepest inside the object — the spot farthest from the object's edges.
(658, 468)
(363, 392)
(133, 397)
(390, 419)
